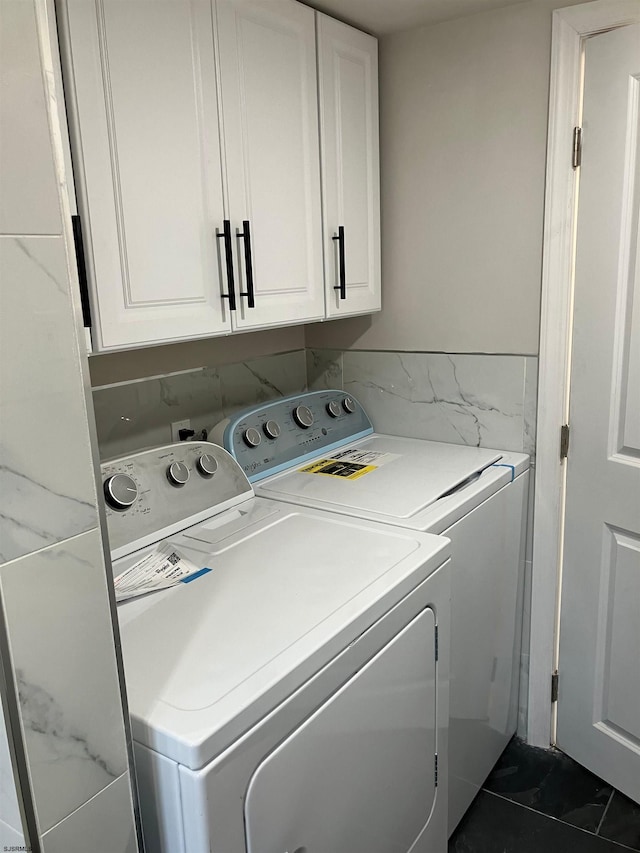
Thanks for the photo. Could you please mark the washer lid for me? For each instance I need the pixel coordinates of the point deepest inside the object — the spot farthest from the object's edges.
(206, 660)
(399, 476)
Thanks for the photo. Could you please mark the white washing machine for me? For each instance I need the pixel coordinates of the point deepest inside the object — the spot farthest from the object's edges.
(291, 696)
(319, 450)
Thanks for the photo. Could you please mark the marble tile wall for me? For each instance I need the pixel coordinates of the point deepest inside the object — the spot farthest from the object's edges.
(481, 400)
(53, 590)
(97, 821)
(10, 819)
(138, 414)
(46, 460)
(67, 680)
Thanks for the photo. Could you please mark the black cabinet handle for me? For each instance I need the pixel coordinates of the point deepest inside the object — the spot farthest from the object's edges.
(342, 287)
(228, 253)
(76, 223)
(248, 264)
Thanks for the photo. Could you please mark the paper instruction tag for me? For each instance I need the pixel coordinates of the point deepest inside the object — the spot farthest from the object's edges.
(161, 568)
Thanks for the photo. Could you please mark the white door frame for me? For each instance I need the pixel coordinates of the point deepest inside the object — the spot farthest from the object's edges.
(570, 27)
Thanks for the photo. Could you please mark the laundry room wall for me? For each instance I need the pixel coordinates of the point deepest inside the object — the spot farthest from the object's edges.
(59, 674)
(463, 113)
(463, 125)
(453, 354)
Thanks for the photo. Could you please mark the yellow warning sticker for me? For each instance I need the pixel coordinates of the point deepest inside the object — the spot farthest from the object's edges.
(338, 468)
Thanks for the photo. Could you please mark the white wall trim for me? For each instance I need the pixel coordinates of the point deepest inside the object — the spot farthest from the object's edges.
(570, 27)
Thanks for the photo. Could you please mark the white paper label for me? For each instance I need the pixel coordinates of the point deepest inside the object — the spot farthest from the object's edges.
(161, 568)
(365, 457)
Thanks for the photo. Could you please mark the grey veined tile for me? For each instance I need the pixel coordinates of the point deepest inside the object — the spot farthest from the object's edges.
(530, 404)
(324, 369)
(262, 379)
(28, 187)
(9, 805)
(66, 674)
(47, 490)
(463, 399)
(107, 820)
(138, 414)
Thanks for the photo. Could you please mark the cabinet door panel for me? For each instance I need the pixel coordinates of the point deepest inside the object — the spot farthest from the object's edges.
(348, 72)
(270, 118)
(146, 109)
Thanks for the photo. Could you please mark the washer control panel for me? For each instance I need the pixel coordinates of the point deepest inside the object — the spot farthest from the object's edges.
(156, 489)
(274, 435)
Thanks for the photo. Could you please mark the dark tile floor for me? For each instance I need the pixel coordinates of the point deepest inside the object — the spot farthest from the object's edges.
(541, 801)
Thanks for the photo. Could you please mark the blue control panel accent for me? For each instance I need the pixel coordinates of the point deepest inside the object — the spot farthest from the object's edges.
(337, 419)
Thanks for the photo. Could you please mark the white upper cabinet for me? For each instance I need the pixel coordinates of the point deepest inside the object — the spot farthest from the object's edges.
(147, 156)
(348, 87)
(267, 61)
(197, 161)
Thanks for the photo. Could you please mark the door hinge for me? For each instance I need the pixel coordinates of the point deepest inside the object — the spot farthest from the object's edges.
(436, 642)
(435, 769)
(554, 687)
(564, 441)
(576, 158)
(82, 270)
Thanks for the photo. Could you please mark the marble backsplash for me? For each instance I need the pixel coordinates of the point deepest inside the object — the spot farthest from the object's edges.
(480, 400)
(133, 415)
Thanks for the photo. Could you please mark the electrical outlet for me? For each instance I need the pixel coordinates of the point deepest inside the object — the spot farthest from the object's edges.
(176, 426)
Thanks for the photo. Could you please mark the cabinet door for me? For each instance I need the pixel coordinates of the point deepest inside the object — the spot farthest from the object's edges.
(145, 124)
(270, 117)
(348, 78)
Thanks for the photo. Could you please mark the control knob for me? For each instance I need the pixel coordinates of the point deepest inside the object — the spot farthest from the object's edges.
(207, 465)
(303, 416)
(271, 429)
(120, 491)
(333, 408)
(349, 405)
(178, 473)
(252, 437)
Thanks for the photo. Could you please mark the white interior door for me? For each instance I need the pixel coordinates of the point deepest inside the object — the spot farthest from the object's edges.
(599, 687)
(147, 148)
(270, 115)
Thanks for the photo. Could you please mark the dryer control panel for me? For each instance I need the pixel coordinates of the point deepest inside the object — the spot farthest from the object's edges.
(155, 492)
(268, 438)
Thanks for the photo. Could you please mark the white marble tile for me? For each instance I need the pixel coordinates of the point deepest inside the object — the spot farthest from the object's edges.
(139, 414)
(324, 369)
(47, 489)
(66, 673)
(103, 825)
(10, 838)
(530, 404)
(463, 399)
(262, 379)
(9, 808)
(28, 191)
(523, 698)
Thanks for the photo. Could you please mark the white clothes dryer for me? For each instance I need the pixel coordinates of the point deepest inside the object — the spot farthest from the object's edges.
(292, 695)
(319, 449)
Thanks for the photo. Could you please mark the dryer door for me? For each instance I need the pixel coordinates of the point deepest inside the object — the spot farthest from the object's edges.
(358, 775)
